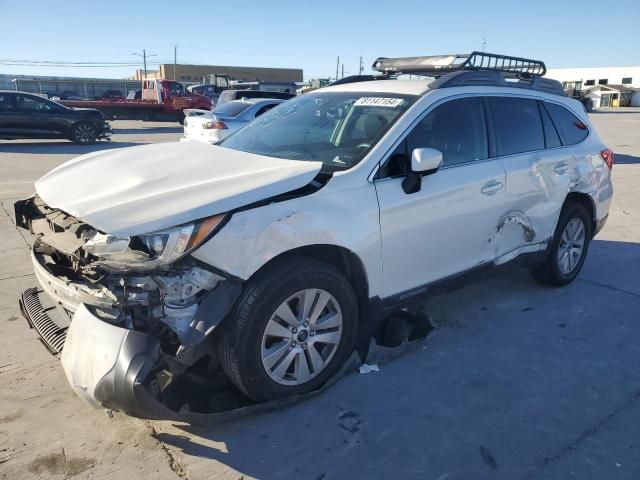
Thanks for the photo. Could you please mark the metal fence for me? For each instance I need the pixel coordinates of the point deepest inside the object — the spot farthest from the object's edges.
(86, 88)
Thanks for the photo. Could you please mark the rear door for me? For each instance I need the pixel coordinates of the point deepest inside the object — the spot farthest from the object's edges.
(9, 116)
(537, 168)
(446, 227)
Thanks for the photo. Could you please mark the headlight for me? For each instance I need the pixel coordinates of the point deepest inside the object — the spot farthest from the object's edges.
(151, 250)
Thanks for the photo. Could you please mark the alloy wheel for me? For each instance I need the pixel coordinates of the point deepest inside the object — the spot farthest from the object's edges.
(301, 337)
(84, 133)
(571, 246)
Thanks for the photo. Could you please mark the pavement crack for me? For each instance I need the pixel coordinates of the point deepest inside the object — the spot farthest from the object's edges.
(587, 433)
(611, 287)
(17, 276)
(174, 460)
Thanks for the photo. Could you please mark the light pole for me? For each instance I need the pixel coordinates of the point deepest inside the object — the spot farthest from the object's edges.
(144, 59)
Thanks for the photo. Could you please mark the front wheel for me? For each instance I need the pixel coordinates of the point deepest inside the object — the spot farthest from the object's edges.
(84, 133)
(568, 249)
(293, 328)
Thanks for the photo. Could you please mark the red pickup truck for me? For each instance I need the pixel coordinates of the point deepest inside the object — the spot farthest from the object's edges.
(161, 100)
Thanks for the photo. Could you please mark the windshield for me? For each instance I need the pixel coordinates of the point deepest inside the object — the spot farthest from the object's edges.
(231, 109)
(336, 128)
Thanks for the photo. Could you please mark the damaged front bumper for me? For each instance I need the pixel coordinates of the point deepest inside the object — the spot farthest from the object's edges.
(120, 334)
(107, 365)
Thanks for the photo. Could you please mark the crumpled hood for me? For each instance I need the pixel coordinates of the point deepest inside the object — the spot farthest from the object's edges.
(142, 189)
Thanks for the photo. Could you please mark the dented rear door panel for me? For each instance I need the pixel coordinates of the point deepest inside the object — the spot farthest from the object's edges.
(537, 184)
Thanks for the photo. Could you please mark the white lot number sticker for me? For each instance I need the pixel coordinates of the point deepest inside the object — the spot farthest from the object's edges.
(378, 102)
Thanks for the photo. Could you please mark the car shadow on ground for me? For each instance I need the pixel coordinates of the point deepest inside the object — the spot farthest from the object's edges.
(148, 130)
(516, 374)
(62, 147)
(623, 159)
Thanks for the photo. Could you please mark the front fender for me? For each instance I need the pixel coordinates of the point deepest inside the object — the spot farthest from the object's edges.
(253, 237)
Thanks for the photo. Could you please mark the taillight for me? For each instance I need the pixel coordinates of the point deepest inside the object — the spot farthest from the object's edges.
(608, 157)
(217, 125)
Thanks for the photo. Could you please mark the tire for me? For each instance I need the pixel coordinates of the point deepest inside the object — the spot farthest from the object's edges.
(558, 269)
(84, 133)
(266, 367)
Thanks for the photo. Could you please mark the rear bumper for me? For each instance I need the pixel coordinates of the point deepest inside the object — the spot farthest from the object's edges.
(210, 141)
(600, 224)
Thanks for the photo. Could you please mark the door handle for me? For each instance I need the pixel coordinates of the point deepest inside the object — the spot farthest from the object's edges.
(561, 168)
(491, 188)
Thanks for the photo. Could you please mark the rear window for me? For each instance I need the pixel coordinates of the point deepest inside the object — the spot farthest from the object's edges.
(551, 137)
(517, 125)
(231, 109)
(571, 128)
(226, 96)
(5, 102)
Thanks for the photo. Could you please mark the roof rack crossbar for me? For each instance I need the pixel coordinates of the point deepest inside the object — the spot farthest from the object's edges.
(435, 66)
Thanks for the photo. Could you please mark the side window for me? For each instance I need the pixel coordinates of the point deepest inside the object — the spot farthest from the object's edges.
(32, 104)
(5, 102)
(570, 127)
(551, 137)
(265, 109)
(517, 125)
(457, 128)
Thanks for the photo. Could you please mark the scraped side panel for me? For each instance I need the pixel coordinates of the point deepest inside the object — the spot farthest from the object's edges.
(253, 237)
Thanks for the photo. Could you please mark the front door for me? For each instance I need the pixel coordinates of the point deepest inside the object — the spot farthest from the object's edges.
(449, 225)
(39, 117)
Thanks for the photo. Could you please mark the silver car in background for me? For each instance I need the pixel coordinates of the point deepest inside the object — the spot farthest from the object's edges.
(213, 126)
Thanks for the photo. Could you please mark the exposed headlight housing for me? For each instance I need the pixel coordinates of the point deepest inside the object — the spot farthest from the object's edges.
(150, 250)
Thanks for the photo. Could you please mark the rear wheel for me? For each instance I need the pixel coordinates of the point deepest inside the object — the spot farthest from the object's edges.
(294, 326)
(569, 246)
(84, 133)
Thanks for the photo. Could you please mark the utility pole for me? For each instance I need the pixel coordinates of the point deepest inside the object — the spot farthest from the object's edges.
(342, 76)
(144, 59)
(175, 60)
(484, 43)
(337, 66)
(360, 71)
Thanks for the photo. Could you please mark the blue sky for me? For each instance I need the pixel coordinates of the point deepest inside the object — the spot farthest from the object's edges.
(309, 35)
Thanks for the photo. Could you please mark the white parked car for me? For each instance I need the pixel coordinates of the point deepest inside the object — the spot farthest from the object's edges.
(280, 250)
(223, 120)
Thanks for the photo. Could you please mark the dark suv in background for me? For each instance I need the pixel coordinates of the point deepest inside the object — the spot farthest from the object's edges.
(25, 115)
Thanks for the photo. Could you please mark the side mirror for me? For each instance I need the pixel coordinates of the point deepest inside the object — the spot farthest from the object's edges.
(424, 161)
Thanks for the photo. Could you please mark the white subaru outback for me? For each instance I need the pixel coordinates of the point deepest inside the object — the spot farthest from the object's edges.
(275, 253)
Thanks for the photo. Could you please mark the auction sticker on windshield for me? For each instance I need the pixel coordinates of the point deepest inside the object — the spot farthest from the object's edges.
(378, 102)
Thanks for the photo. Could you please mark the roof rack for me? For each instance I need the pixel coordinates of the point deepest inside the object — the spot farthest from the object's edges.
(435, 66)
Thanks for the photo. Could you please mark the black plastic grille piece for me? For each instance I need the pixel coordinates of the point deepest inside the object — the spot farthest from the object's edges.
(52, 333)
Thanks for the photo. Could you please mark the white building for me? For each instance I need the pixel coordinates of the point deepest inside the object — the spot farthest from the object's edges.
(606, 86)
(628, 76)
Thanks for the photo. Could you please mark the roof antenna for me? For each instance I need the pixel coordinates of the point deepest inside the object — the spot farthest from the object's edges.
(484, 43)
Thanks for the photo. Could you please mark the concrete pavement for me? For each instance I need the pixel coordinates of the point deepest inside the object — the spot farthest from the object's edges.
(520, 381)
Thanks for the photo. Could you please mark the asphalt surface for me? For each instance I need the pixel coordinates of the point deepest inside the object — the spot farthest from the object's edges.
(519, 382)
